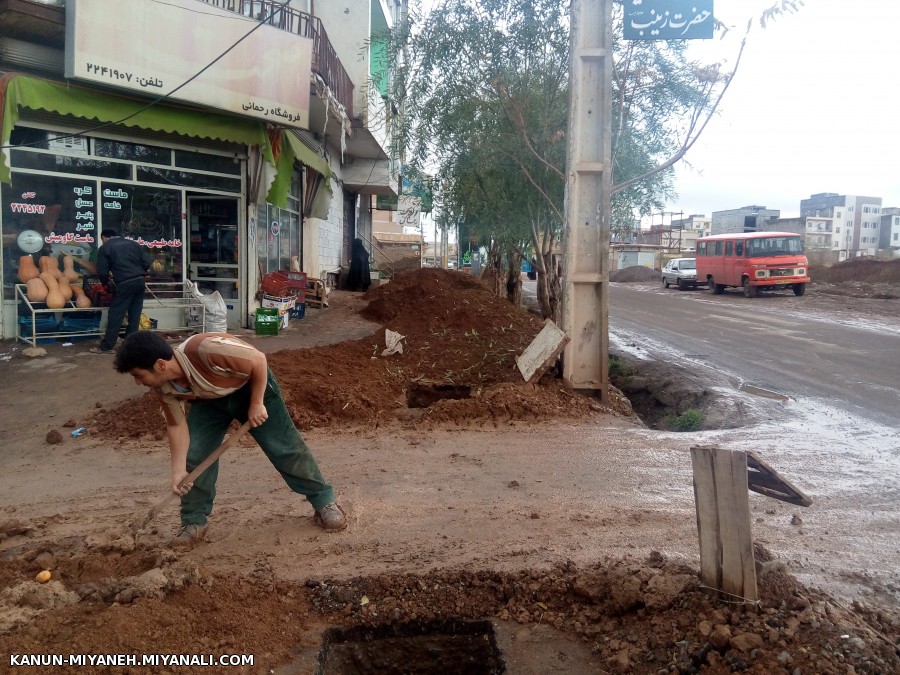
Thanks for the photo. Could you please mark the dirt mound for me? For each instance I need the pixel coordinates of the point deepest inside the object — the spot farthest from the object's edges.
(634, 273)
(866, 270)
(636, 616)
(456, 332)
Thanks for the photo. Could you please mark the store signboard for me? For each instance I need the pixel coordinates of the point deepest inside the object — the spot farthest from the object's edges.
(156, 48)
(409, 210)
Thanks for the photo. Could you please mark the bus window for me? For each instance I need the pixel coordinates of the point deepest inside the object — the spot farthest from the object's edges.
(719, 248)
(728, 249)
(739, 248)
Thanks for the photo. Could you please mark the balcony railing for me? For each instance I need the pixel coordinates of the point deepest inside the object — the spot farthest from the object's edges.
(324, 59)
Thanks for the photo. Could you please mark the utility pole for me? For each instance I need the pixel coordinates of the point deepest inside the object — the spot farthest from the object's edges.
(585, 293)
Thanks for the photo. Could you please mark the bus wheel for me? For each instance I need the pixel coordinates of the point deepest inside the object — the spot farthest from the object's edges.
(799, 289)
(714, 288)
(749, 291)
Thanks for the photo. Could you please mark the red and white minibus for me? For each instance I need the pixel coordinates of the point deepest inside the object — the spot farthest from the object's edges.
(753, 261)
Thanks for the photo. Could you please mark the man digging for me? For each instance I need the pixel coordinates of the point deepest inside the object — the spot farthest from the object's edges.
(225, 379)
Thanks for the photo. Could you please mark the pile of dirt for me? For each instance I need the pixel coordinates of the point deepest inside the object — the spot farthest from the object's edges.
(867, 270)
(455, 332)
(635, 273)
(858, 278)
(635, 616)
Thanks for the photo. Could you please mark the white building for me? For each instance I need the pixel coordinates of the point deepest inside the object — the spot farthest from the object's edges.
(856, 221)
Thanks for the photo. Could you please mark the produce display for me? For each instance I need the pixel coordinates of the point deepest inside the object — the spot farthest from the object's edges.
(50, 285)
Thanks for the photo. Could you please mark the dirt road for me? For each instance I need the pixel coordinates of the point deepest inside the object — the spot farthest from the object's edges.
(576, 538)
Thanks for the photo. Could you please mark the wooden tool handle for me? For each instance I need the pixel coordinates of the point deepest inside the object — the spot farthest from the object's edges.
(200, 468)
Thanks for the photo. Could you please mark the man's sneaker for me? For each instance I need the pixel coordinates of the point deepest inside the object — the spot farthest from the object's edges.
(330, 517)
(100, 350)
(188, 536)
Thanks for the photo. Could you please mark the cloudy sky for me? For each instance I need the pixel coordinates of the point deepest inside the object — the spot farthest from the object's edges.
(812, 109)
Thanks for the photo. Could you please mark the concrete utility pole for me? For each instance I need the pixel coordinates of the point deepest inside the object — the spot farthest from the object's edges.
(585, 295)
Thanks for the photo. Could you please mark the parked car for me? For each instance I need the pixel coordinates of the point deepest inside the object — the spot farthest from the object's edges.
(680, 271)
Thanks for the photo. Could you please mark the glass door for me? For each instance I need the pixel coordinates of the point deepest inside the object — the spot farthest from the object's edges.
(213, 238)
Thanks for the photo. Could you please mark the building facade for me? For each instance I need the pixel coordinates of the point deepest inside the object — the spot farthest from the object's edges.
(229, 143)
(856, 221)
(889, 234)
(744, 219)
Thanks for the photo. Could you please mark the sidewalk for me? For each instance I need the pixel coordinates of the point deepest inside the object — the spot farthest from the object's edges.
(40, 393)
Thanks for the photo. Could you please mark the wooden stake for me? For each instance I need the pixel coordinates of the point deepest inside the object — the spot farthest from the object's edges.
(723, 521)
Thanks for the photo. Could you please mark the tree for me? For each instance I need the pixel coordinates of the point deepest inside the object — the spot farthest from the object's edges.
(484, 87)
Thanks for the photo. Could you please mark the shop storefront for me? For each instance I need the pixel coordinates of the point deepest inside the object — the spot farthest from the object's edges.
(184, 204)
(178, 182)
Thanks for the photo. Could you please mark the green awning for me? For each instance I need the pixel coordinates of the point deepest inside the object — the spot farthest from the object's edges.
(22, 91)
(292, 148)
(306, 156)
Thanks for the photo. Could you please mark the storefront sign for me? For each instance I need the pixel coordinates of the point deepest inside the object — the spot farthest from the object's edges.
(265, 76)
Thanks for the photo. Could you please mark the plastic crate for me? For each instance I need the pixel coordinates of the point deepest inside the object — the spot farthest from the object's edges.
(267, 321)
(81, 322)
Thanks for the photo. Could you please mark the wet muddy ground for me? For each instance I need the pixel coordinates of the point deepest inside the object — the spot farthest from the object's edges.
(567, 526)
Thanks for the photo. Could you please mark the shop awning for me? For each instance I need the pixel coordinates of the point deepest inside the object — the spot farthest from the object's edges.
(304, 155)
(21, 91)
(292, 148)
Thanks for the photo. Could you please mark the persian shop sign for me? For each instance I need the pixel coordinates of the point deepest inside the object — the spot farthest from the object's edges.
(155, 47)
(668, 19)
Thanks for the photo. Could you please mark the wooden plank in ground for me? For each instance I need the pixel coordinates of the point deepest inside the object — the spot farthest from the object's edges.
(723, 520)
(542, 352)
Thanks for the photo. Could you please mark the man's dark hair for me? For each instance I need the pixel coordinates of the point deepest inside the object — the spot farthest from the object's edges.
(141, 350)
(109, 233)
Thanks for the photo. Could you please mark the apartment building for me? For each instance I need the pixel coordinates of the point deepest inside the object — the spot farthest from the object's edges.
(889, 234)
(856, 221)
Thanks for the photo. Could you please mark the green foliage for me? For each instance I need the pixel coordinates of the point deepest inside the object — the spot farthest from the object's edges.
(690, 420)
(620, 371)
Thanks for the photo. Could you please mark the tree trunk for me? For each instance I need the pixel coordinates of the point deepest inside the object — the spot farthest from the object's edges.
(514, 277)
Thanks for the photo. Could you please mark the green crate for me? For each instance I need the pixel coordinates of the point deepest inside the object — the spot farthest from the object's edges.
(267, 321)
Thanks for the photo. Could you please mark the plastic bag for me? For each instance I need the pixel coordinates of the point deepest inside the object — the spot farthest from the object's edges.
(394, 342)
(216, 310)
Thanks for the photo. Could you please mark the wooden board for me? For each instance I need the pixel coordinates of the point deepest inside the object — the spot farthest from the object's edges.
(542, 352)
(723, 521)
(765, 480)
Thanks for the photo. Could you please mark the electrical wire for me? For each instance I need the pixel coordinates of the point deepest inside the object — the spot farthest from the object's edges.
(162, 97)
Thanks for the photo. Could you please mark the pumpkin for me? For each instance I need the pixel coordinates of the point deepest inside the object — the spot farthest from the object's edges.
(37, 290)
(65, 289)
(27, 269)
(81, 299)
(48, 264)
(69, 269)
(55, 299)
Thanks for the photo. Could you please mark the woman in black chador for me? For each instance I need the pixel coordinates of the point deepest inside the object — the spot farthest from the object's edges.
(358, 278)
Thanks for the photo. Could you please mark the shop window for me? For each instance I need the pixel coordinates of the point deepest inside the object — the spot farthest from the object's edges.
(42, 161)
(150, 174)
(132, 151)
(204, 162)
(47, 215)
(152, 217)
(278, 234)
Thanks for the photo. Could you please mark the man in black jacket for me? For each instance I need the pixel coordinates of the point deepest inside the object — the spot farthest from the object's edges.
(128, 262)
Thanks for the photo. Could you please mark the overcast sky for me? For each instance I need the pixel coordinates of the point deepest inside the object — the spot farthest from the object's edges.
(812, 109)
